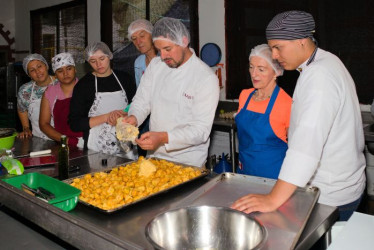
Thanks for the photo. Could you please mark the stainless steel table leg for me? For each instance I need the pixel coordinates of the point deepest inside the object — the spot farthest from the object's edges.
(232, 149)
(327, 238)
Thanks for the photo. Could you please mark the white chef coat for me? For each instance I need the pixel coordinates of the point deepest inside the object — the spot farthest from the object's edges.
(182, 102)
(325, 138)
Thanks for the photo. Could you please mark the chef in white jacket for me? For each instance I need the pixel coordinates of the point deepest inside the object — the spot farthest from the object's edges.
(181, 94)
(326, 140)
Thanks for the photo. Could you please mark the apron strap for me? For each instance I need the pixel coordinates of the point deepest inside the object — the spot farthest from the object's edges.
(32, 90)
(119, 83)
(118, 80)
(95, 84)
(249, 98)
(272, 100)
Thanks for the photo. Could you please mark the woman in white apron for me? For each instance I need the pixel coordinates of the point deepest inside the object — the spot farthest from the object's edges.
(30, 94)
(97, 98)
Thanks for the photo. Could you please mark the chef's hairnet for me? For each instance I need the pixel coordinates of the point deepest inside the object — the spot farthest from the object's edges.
(92, 48)
(32, 57)
(264, 51)
(61, 60)
(140, 24)
(171, 29)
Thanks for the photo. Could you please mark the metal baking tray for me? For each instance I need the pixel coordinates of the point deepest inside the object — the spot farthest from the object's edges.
(204, 173)
(284, 226)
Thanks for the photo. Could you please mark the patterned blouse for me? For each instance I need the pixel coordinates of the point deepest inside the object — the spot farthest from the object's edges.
(24, 94)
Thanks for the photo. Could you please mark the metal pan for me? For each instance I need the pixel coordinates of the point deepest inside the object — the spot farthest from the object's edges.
(204, 173)
(211, 54)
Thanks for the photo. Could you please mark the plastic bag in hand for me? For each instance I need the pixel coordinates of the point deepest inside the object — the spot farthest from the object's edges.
(126, 132)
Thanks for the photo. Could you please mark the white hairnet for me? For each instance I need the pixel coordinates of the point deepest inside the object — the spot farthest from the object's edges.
(140, 24)
(171, 29)
(92, 48)
(264, 51)
(61, 60)
(33, 57)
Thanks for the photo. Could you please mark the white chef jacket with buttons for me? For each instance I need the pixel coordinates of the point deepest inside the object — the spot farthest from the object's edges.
(325, 139)
(182, 102)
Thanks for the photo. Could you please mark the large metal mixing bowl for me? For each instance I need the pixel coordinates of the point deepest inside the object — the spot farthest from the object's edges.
(205, 227)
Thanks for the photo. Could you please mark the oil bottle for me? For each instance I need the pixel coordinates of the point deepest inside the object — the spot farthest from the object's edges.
(63, 159)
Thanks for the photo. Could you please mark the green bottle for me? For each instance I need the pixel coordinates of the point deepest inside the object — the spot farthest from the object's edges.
(63, 159)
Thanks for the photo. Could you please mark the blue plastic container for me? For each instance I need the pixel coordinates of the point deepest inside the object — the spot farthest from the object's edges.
(223, 165)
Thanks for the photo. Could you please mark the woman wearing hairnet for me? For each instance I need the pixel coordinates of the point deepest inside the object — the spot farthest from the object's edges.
(54, 109)
(30, 94)
(97, 98)
(263, 117)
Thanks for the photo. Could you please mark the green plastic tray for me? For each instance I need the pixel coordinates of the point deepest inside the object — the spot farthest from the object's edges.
(66, 195)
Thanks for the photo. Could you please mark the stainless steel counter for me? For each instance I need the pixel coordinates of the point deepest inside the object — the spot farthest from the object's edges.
(86, 164)
(90, 229)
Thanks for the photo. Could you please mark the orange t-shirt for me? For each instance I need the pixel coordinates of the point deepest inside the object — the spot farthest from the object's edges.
(279, 116)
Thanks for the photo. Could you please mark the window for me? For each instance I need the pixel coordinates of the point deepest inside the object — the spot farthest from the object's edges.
(118, 14)
(61, 28)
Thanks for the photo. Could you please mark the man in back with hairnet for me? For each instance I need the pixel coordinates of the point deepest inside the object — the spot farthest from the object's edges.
(181, 93)
(140, 33)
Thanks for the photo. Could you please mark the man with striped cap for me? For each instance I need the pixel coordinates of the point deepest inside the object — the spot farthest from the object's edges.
(326, 141)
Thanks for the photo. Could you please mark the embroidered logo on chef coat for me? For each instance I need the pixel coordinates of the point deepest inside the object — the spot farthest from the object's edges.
(190, 97)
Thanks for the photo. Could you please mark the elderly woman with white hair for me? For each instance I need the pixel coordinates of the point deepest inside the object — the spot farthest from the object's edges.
(326, 139)
(30, 95)
(55, 105)
(97, 98)
(263, 117)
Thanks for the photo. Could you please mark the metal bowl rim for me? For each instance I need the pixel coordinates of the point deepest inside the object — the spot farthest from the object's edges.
(261, 226)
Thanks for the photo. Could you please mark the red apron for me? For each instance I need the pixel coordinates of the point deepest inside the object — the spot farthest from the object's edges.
(60, 117)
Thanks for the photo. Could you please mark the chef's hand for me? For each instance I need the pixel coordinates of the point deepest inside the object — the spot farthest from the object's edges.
(26, 133)
(114, 115)
(130, 120)
(152, 140)
(280, 193)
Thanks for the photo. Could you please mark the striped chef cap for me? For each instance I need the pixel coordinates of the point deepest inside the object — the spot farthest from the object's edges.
(291, 25)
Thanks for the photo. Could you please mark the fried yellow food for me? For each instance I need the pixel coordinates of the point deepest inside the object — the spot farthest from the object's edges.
(146, 168)
(126, 184)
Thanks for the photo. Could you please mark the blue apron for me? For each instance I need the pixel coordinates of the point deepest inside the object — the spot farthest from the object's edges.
(261, 152)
